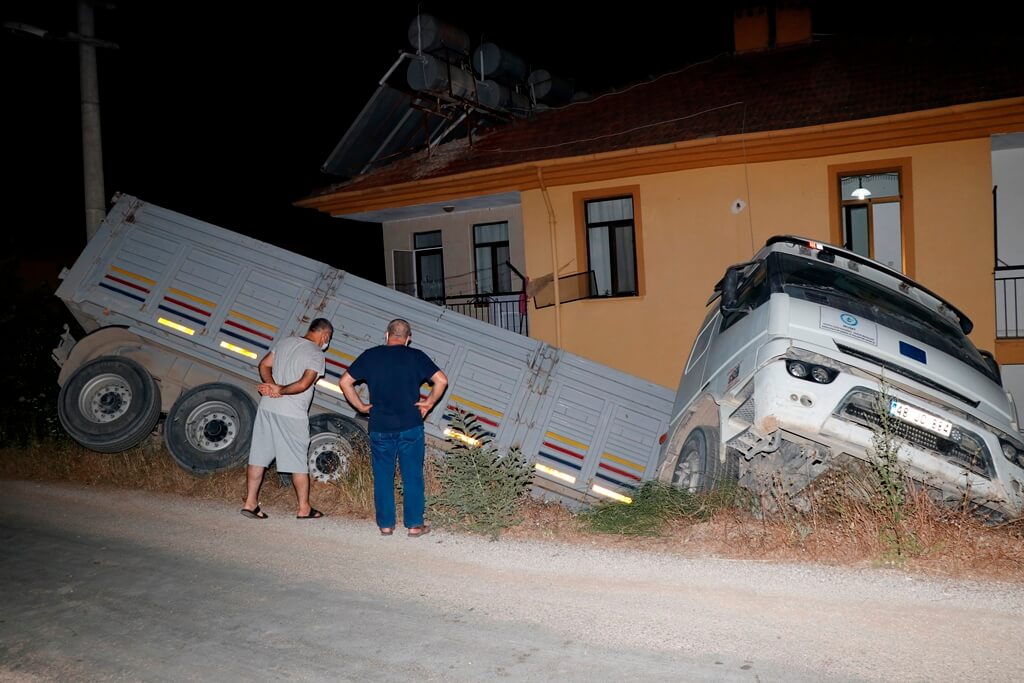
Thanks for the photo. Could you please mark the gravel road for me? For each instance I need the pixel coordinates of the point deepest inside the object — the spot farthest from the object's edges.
(112, 585)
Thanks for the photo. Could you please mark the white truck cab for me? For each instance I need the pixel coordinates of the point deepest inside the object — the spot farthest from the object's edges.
(784, 379)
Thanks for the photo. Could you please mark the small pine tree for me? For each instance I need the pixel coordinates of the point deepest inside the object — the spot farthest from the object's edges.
(481, 490)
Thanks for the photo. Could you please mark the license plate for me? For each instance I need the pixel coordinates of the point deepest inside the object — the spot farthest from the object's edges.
(920, 418)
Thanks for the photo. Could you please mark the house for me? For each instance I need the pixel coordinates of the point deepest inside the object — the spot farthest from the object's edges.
(908, 151)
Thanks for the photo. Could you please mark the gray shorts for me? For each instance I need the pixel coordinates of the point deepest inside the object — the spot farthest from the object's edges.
(282, 437)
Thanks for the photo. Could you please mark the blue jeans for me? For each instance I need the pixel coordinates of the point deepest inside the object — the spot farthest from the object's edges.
(407, 448)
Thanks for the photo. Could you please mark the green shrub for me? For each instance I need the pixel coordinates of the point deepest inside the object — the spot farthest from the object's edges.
(481, 490)
(655, 505)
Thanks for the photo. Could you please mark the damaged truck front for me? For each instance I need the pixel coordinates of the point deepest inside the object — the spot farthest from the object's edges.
(785, 379)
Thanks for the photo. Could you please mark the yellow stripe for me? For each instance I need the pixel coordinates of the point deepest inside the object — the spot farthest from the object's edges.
(134, 275)
(338, 353)
(623, 461)
(577, 444)
(482, 409)
(172, 290)
(254, 321)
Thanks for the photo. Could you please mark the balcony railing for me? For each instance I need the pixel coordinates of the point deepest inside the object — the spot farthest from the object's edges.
(502, 310)
(1009, 302)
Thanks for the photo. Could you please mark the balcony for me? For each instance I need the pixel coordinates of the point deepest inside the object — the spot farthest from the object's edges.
(502, 310)
(1009, 281)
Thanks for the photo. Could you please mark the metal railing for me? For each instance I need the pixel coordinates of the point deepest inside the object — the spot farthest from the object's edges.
(1009, 281)
(502, 310)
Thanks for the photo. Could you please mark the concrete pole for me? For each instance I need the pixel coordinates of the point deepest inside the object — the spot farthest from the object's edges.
(92, 148)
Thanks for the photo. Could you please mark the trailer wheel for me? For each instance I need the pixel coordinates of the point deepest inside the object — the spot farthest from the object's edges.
(209, 428)
(109, 404)
(333, 441)
(699, 467)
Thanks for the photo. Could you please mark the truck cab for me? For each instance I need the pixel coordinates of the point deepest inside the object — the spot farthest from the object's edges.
(806, 350)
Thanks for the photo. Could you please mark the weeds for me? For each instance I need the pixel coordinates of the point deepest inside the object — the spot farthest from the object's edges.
(655, 505)
(480, 489)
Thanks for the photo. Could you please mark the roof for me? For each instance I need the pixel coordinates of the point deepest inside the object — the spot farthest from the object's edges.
(820, 83)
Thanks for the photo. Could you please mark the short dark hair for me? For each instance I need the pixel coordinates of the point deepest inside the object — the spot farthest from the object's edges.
(399, 328)
(321, 324)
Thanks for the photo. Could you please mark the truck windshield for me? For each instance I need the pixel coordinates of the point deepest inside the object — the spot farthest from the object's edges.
(840, 288)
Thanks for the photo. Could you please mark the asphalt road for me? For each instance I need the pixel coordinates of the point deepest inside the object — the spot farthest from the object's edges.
(111, 585)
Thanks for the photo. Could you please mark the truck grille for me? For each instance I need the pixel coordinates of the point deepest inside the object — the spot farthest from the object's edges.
(970, 453)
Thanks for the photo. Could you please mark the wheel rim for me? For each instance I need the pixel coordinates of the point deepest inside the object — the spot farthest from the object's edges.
(105, 398)
(213, 426)
(328, 456)
(690, 468)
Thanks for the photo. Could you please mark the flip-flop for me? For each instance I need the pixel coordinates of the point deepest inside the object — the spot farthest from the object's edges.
(255, 514)
(419, 531)
(387, 530)
(313, 514)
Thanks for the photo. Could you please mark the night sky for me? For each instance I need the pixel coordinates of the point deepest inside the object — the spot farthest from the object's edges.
(226, 111)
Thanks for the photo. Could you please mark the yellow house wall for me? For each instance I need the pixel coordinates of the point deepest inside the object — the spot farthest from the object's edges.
(690, 234)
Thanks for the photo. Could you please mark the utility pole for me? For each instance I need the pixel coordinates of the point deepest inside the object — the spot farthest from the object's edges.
(92, 147)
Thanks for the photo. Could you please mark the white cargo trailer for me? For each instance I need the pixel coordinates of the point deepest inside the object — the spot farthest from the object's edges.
(178, 313)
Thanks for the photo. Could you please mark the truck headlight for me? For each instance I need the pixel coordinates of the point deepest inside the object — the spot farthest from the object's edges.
(1012, 451)
(810, 372)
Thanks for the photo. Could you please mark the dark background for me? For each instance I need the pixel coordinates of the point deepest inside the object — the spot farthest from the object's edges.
(225, 111)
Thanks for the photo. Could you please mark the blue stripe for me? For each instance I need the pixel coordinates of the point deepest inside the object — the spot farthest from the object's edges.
(911, 351)
(245, 339)
(614, 481)
(564, 462)
(121, 291)
(334, 374)
(180, 314)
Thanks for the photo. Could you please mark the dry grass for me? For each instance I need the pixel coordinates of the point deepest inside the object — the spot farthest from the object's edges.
(841, 529)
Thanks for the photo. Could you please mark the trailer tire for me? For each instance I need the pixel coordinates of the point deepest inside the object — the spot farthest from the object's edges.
(109, 404)
(699, 468)
(333, 441)
(209, 428)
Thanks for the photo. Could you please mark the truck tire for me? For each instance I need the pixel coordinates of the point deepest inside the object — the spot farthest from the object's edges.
(209, 428)
(109, 404)
(699, 467)
(333, 441)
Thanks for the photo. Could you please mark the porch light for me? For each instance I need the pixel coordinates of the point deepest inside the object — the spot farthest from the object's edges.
(860, 193)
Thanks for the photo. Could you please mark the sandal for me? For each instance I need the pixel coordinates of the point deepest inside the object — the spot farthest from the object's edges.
(313, 514)
(255, 514)
(417, 531)
(387, 530)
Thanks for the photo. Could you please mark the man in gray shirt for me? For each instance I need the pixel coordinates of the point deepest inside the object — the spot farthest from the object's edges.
(281, 428)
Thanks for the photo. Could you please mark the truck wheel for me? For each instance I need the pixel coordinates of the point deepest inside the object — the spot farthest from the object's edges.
(209, 428)
(333, 440)
(109, 404)
(699, 468)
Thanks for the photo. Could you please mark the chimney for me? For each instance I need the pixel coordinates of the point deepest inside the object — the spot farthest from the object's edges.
(750, 29)
(760, 27)
(792, 23)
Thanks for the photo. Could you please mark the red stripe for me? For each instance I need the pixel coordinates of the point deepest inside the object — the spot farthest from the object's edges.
(126, 283)
(185, 305)
(247, 329)
(482, 419)
(618, 471)
(334, 362)
(562, 450)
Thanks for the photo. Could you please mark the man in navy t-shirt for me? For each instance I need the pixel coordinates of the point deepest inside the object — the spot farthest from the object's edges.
(394, 374)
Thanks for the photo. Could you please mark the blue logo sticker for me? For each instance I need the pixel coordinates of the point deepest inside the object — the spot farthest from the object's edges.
(848, 319)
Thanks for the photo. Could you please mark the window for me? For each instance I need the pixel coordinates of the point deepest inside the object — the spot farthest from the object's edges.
(490, 247)
(871, 211)
(611, 246)
(429, 265)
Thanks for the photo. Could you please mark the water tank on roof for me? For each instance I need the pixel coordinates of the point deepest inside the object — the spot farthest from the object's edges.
(429, 34)
(497, 96)
(490, 61)
(548, 88)
(432, 75)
